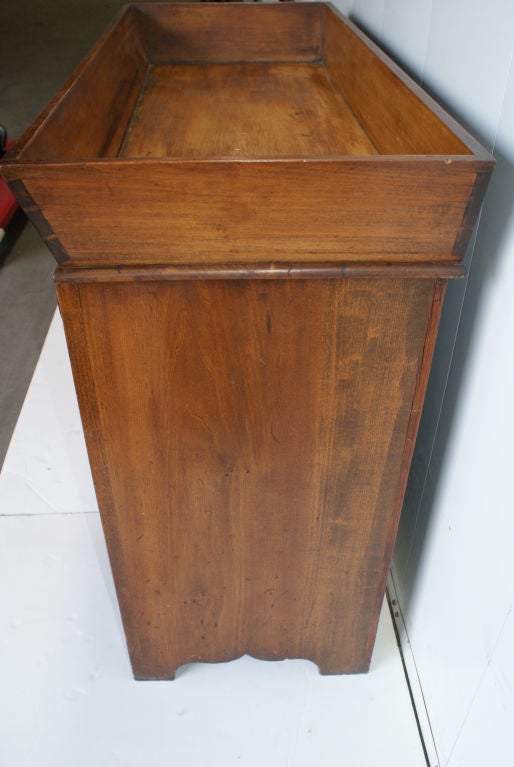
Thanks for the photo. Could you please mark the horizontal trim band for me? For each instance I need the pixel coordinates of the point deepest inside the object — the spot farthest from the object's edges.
(265, 271)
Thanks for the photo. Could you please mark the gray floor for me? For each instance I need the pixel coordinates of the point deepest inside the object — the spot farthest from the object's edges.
(41, 43)
(27, 303)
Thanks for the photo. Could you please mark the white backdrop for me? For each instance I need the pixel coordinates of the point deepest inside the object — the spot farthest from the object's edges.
(454, 564)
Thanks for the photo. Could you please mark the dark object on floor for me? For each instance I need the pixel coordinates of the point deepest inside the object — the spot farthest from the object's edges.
(13, 231)
(12, 219)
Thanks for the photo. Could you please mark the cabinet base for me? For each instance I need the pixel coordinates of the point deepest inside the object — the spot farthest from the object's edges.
(170, 674)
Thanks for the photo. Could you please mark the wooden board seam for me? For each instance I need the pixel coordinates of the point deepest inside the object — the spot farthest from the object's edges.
(472, 210)
(36, 217)
(135, 111)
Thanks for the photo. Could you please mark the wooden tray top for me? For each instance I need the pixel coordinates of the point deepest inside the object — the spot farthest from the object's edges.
(240, 133)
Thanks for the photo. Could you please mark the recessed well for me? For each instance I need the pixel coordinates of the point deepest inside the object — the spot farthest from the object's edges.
(242, 110)
(277, 132)
(182, 81)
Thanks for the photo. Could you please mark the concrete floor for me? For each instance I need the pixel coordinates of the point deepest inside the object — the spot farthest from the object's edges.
(27, 303)
(42, 42)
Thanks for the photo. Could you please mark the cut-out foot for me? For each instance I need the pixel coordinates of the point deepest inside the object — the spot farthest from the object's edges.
(325, 668)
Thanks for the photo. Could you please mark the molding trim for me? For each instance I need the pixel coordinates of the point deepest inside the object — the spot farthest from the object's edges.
(262, 271)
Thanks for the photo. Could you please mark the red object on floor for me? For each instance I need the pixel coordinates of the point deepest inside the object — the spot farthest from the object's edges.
(8, 204)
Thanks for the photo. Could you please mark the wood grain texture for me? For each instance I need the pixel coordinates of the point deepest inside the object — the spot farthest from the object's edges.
(434, 317)
(36, 217)
(248, 161)
(230, 212)
(472, 211)
(224, 32)
(393, 115)
(264, 271)
(94, 109)
(246, 439)
(243, 110)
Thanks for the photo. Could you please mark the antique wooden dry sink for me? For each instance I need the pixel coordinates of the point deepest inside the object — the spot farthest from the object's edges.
(255, 214)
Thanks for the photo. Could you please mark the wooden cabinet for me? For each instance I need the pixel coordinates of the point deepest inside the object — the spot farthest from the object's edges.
(255, 214)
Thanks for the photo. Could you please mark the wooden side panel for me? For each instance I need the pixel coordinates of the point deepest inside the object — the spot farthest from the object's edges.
(230, 32)
(187, 212)
(397, 120)
(247, 441)
(94, 109)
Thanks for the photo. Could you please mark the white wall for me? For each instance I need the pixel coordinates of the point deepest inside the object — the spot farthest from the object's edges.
(454, 561)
